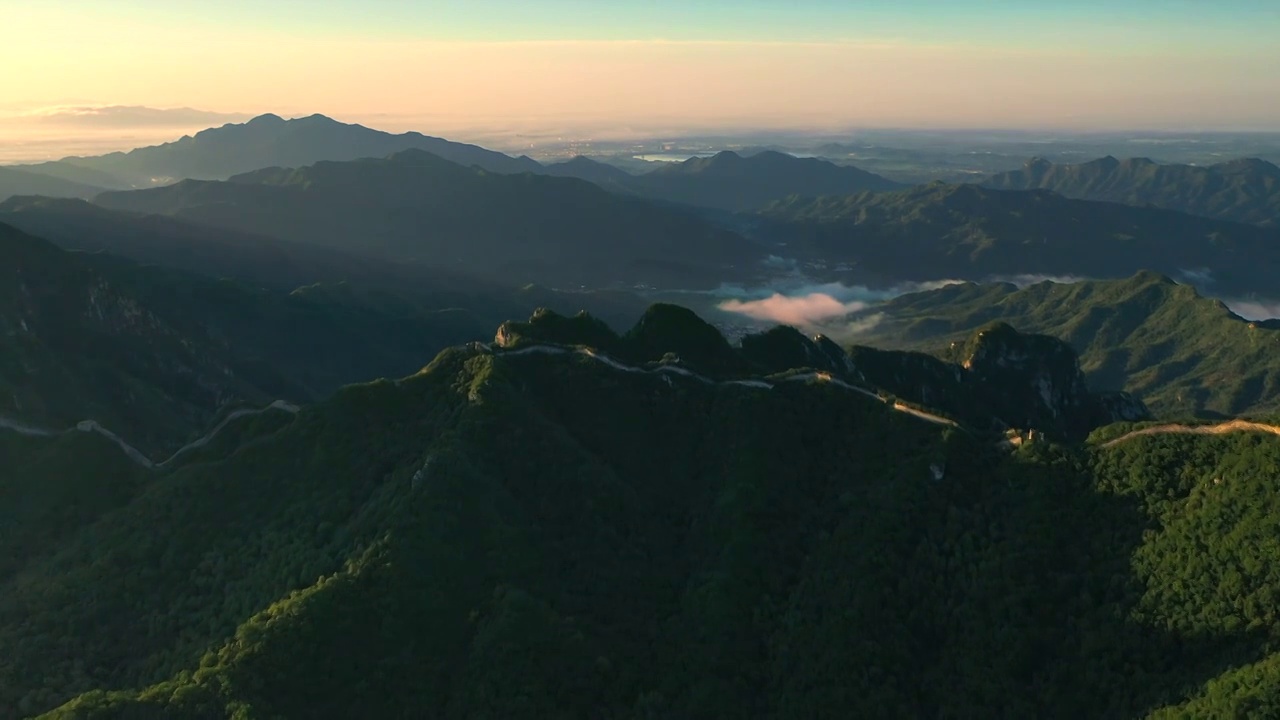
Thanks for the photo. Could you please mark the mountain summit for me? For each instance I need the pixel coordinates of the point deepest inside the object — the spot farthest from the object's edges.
(729, 181)
(270, 140)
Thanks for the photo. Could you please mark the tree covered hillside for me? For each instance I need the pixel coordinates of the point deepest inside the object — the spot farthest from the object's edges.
(1245, 190)
(517, 533)
(1181, 353)
(156, 355)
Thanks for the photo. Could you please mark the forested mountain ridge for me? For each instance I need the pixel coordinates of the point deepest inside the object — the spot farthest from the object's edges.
(1245, 190)
(973, 233)
(415, 206)
(77, 346)
(728, 181)
(156, 355)
(499, 535)
(14, 181)
(1183, 354)
(1000, 380)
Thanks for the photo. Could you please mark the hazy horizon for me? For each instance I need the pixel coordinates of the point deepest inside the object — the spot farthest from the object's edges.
(31, 138)
(128, 72)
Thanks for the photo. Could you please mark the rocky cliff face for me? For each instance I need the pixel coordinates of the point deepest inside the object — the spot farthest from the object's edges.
(785, 348)
(1037, 379)
(1000, 378)
(548, 327)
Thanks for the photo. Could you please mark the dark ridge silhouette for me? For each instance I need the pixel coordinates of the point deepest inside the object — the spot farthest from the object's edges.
(414, 206)
(269, 140)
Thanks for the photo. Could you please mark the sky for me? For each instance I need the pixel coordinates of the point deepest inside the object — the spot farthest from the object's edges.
(630, 65)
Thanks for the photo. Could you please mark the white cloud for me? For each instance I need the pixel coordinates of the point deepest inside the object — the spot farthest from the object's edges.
(858, 327)
(1254, 309)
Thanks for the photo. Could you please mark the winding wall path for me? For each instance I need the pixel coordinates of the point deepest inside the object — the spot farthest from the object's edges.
(141, 459)
(133, 453)
(761, 384)
(1179, 429)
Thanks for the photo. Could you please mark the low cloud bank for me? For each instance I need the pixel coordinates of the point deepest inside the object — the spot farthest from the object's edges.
(804, 311)
(823, 307)
(838, 310)
(1254, 309)
(132, 116)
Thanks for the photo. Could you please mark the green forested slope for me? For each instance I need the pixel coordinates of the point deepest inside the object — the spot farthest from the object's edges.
(1181, 353)
(1244, 190)
(545, 535)
(154, 354)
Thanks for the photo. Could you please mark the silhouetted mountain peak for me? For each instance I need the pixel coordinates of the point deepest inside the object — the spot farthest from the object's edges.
(1249, 165)
(724, 156)
(1037, 165)
(584, 168)
(666, 328)
(720, 162)
(1145, 277)
(546, 326)
(316, 119)
(271, 141)
(265, 119)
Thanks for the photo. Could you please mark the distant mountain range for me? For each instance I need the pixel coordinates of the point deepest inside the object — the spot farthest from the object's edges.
(266, 141)
(600, 173)
(726, 181)
(731, 182)
(415, 206)
(1183, 354)
(970, 232)
(1246, 190)
(15, 181)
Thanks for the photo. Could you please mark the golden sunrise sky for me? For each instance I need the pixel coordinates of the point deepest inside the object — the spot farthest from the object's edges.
(612, 66)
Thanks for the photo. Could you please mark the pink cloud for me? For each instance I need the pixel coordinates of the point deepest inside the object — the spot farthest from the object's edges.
(800, 311)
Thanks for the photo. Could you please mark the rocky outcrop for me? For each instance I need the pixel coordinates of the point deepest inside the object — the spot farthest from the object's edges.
(1001, 378)
(673, 329)
(548, 327)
